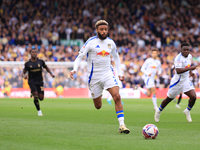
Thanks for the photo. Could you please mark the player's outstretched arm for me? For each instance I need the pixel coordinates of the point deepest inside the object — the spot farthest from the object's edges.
(24, 74)
(143, 68)
(182, 70)
(192, 74)
(49, 71)
(121, 78)
(72, 73)
(117, 64)
(77, 62)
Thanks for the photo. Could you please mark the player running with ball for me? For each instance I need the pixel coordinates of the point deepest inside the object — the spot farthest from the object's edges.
(100, 72)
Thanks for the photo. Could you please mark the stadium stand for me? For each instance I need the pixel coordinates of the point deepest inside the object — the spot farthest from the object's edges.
(135, 27)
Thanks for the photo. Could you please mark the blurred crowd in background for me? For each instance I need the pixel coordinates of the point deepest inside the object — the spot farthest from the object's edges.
(135, 26)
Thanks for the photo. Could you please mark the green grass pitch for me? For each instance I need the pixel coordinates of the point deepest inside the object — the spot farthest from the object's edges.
(75, 124)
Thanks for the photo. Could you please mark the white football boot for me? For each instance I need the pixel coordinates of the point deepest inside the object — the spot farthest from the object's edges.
(40, 113)
(123, 129)
(157, 115)
(177, 106)
(187, 113)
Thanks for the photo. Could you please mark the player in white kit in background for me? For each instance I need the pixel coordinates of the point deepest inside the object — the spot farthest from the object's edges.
(99, 49)
(180, 82)
(150, 68)
(123, 68)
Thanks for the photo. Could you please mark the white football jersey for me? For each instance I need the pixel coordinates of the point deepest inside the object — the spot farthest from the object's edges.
(98, 56)
(151, 66)
(182, 62)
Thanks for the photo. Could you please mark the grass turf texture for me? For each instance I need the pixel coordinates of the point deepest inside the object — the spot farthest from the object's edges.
(71, 124)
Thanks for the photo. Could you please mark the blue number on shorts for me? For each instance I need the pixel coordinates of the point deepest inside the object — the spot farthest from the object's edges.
(115, 80)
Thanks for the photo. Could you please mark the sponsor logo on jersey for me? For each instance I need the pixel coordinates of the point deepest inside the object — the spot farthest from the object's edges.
(35, 70)
(187, 66)
(97, 46)
(154, 67)
(103, 53)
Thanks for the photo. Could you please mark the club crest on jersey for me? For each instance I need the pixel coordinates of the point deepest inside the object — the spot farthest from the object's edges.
(30, 66)
(109, 45)
(92, 94)
(103, 53)
(38, 65)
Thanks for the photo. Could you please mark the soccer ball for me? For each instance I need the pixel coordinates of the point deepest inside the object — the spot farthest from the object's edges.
(150, 131)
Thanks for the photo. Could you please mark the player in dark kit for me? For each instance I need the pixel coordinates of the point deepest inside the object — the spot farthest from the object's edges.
(35, 79)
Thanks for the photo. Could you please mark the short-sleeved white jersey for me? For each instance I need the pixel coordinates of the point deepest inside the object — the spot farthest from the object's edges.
(98, 56)
(151, 66)
(182, 62)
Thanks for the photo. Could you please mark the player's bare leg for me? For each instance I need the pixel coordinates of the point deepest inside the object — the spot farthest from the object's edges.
(97, 102)
(41, 96)
(149, 91)
(114, 91)
(31, 95)
(179, 100)
(36, 102)
(109, 100)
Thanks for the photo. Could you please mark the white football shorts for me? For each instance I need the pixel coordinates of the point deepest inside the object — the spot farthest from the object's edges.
(96, 86)
(177, 86)
(149, 82)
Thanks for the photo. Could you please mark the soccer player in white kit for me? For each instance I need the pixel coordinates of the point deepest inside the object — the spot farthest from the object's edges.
(100, 73)
(180, 82)
(150, 68)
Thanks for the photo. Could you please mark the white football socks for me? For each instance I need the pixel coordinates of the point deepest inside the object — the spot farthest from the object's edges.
(154, 100)
(121, 121)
